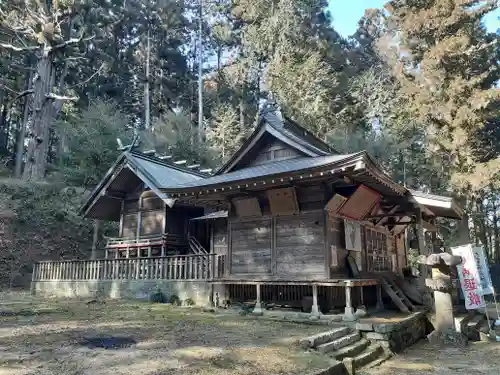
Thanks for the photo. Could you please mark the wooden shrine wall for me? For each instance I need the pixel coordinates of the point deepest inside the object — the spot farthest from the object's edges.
(300, 245)
(142, 216)
(251, 246)
(281, 247)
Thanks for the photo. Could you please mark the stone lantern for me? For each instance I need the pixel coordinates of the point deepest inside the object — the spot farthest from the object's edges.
(440, 283)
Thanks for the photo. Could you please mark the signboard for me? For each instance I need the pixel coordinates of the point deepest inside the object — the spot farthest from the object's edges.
(352, 235)
(468, 275)
(333, 256)
(483, 270)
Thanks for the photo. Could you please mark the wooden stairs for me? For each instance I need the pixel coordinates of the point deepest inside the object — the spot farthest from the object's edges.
(196, 247)
(396, 294)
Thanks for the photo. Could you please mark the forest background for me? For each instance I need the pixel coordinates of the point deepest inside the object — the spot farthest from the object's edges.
(416, 85)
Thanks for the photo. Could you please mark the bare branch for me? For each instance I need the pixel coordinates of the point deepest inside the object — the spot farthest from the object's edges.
(482, 47)
(71, 41)
(19, 49)
(7, 88)
(75, 58)
(88, 79)
(33, 14)
(60, 97)
(20, 95)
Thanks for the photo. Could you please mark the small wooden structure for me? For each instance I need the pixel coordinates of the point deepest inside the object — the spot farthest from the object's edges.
(287, 220)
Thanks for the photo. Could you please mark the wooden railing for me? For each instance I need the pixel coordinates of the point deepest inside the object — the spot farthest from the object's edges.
(181, 267)
(124, 242)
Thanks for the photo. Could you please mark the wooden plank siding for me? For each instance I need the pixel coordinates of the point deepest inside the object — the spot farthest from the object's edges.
(300, 246)
(251, 246)
(276, 150)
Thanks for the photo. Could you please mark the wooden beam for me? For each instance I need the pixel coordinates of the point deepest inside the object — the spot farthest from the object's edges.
(387, 215)
(393, 210)
(428, 226)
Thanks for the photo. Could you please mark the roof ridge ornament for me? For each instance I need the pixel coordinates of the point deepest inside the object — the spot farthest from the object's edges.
(271, 105)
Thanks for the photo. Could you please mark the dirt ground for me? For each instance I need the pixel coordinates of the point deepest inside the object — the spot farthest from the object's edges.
(423, 359)
(49, 338)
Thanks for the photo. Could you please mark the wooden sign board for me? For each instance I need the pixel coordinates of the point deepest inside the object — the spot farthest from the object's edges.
(360, 203)
(247, 207)
(283, 201)
(335, 203)
(352, 230)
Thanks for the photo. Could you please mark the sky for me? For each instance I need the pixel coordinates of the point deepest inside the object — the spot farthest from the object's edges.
(347, 13)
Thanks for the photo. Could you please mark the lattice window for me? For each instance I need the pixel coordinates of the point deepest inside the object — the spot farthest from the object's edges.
(378, 257)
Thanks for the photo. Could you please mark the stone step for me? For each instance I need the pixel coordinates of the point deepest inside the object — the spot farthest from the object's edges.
(472, 330)
(350, 350)
(341, 342)
(372, 353)
(323, 337)
(385, 356)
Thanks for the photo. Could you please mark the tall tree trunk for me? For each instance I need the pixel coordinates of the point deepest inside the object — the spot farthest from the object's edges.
(463, 235)
(4, 130)
(21, 135)
(481, 220)
(43, 118)
(242, 113)
(95, 239)
(495, 229)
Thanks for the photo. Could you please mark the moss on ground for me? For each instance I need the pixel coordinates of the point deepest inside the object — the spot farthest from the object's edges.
(39, 221)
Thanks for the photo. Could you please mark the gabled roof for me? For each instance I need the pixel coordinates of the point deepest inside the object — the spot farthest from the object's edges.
(272, 123)
(364, 170)
(263, 170)
(132, 168)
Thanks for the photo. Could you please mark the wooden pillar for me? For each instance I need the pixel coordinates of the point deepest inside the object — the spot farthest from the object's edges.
(258, 304)
(421, 240)
(95, 239)
(349, 310)
(380, 303)
(315, 309)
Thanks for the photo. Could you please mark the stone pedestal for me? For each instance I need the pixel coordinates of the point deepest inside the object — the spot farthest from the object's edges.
(349, 315)
(258, 304)
(315, 314)
(444, 328)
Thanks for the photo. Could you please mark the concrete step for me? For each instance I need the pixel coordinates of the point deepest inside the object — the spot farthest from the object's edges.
(350, 350)
(484, 330)
(461, 322)
(341, 342)
(372, 353)
(323, 337)
(472, 330)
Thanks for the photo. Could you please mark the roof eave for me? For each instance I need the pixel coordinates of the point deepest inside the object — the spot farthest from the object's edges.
(445, 203)
(356, 162)
(110, 174)
(374, 170)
